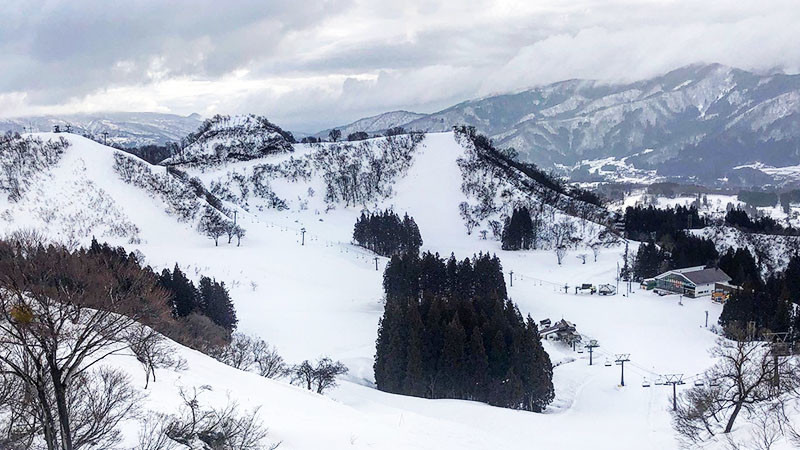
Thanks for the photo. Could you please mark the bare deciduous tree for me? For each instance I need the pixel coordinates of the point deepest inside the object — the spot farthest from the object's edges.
(562, 236)
(153, 433)
(318, 378)
(216, 428)
(252, 354)
(59, 317)
(745, 378)
(152, 351)
(596, 250)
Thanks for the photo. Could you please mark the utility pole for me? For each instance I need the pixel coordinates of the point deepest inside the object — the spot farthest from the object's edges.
(511, 277)
(674, 379)
(105, 137)
(706, 318)
(591, 346)
(303, 231)
(622, 358)
(376, 263)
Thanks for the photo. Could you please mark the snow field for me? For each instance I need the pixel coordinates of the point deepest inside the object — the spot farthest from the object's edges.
(324, 298)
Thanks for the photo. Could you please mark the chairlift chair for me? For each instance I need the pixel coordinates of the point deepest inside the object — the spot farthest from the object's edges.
(645, 383)
(607, 363)
(699, 383)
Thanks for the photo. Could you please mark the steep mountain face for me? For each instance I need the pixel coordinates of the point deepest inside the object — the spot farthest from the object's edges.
(232, 138)
(377, 124)
(125, 129)
(696, 121)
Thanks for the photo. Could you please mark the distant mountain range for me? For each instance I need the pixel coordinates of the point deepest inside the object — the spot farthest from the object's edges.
(696, 122)
(124, 128)
(376, 124)
(703, 123)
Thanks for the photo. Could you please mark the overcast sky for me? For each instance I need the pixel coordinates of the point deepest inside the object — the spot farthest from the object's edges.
(310, 64)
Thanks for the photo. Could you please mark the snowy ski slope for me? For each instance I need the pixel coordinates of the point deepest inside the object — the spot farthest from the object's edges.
(324, 298)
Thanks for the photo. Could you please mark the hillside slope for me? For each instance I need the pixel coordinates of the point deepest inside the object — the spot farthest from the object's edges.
(324, 297)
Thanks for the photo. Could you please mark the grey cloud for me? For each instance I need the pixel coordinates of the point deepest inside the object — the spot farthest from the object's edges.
(65, 49)
(317, 63)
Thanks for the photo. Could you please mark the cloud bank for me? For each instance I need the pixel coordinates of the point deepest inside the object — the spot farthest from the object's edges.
(312, 64)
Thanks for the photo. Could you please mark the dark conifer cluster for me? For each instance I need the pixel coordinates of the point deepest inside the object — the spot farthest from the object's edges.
(672, 251)
(386, 234)
(650, 261)
(772, 305)
(518, 231)
(666, 243)
(642, 223)
(449, 330)
(767, 225)
(199, 318)
(211, 299)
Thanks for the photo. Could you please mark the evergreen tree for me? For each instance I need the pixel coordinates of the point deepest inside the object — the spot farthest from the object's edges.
(453, 358)
(649, 261)
(423, 348)
(518, 231)
(386, 234)
(217, 304)
(740, 265)
(185, 297)
(478, 364)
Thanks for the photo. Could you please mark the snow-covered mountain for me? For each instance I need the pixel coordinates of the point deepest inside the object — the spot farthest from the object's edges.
(376, 124)
(299, 283)
(128, 129)
(700, 120)
(237, 138)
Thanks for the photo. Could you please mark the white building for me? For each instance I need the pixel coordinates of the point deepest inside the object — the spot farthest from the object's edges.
(691, 281)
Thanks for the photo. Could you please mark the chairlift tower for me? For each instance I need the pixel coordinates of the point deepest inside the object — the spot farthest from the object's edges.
(591, 346)
(778, 348)
(673, 379)
(621, 359)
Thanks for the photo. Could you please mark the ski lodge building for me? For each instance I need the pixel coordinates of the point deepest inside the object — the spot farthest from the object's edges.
(691, 281)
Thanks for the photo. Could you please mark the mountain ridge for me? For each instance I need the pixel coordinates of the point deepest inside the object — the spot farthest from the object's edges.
(723, 115)
(126, 129)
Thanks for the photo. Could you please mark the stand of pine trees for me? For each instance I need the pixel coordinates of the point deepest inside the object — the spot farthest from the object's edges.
(450, 331)
(518, 233)
(642, 224)
(772, 304)
(673, 250)
(199, 318)
(211, 299)
(767, 225)
(386, 234)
